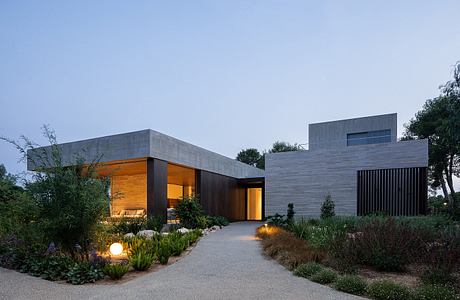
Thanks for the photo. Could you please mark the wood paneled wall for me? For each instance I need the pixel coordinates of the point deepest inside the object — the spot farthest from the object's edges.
(398, 192)
(221, 195)
(129, 192)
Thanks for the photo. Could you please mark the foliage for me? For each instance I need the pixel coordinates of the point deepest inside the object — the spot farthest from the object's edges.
(140, 244)
(116, 271)
(217, 221)
(439, 122)
(284, 147)
(276, 220)
(289, 250)
(163, 251)
(351, 284)
(388, 290)
(308, 269)
(188, 210)
(290, 213)
(84, 272)
(202, 222)
(155, 223)
(177, 243)
(127, 225)
(324, 276)
(141, 259)
(434, 292)
(327, 208)
(250, 156)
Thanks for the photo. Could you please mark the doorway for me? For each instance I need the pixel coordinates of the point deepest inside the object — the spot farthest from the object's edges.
(254, 204)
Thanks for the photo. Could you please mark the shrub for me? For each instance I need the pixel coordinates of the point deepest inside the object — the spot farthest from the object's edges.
(265, 231)
(141, 260)
(217, 221)
(163, 251)
(116, 271)
(127, 225)
(276, 220)
(434, 292)
(385, 244)
(308, 269)
(202, 222)
(155, 223)
(327, 208)
(137, 244)
(83, 272)
(289, 250)
(188, 210)
(177, 243)
(324, 276)
(351, 284)
(388, 290)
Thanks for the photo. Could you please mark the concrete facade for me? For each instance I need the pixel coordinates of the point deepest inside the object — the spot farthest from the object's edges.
(306, 177)
(327, 135)
(150, 144)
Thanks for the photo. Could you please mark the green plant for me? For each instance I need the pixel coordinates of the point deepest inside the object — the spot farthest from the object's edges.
(434, 292)
(141, 260)
(217, 221)
(324, 276)
(137, 244)
(308, 269)
(327, 208)
(351, 284)
(177, 243)
(188, 210)
(83, 272)
(163, 251)
(202, 222)
(127, 225)
(155, 223)
(276, 220)
(116, 271)
(388, 290)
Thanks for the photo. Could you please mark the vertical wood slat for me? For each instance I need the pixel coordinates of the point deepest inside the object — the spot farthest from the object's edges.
(397, 192)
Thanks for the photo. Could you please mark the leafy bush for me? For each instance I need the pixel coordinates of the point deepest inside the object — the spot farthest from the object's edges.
(388, 290)
(141, 260)
(385, 244)
(327, 208)
(308, 269)
(324, 276)
(83, 272)
(116, 271)
(289, 250)
(351, 284)
(155, 223)
(217, 221)
(276, 220)
(435, 292)
(202, 222)
(177, 243)
(127, 225)
(188, 210)
(163, 251)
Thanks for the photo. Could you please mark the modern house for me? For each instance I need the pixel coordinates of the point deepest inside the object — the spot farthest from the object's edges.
(358, 162)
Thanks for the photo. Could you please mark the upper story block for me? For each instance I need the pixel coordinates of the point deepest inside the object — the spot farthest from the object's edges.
(351, 132)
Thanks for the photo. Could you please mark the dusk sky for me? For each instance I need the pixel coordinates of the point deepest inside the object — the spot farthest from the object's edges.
(223, 75)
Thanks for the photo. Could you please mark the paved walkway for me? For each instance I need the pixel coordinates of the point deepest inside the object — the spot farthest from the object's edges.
(224, 265)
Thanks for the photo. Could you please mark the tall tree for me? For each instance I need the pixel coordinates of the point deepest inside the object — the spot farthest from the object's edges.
(250, 156)
(439, 122)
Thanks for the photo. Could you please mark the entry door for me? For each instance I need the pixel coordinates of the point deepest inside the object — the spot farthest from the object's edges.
(254, 204)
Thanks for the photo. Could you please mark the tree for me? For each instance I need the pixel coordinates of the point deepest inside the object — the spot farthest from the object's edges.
(327, 208)
(250, 156)
(439, 122)
(283, 147)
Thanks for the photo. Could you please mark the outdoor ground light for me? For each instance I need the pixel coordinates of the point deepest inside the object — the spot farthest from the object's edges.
(116, 249)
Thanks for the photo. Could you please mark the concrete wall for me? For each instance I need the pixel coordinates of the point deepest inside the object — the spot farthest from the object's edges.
(150, 143)
(305, 177)
(334, 134)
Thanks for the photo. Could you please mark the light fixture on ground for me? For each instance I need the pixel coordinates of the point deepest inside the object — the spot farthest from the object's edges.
(116, 249)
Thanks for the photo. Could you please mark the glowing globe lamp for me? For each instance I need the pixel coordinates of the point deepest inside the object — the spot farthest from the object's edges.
(116, 249)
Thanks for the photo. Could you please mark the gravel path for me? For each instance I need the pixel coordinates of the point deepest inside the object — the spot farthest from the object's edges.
(226, 264)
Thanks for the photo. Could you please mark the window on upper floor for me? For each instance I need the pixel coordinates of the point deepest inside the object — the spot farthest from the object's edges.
(369, 137)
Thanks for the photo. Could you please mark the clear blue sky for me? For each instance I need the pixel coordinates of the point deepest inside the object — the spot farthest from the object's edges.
(223, 75)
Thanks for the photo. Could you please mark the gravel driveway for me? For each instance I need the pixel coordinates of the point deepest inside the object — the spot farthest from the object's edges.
(226, 264)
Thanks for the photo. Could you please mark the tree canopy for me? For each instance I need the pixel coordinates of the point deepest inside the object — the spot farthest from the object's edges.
(252, 156)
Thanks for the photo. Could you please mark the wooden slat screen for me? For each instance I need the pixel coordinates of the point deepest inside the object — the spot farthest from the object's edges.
(397, 192)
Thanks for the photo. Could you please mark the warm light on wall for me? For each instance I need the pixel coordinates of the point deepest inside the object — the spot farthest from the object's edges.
(116, 249)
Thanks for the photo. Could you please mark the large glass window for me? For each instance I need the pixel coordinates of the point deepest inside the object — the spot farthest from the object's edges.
(369, 137)
(181, 183)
